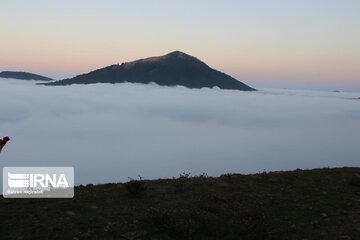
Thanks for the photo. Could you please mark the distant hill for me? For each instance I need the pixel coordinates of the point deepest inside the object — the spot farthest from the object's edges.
(173, 69)
(23, 76)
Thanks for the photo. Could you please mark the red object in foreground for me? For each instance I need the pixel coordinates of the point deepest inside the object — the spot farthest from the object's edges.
(3, 142)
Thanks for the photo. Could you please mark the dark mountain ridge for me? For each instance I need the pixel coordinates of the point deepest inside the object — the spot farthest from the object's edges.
(23, 76)
(173, 69)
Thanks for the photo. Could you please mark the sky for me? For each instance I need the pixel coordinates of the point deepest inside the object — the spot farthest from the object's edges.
(111, 132)
(311, 44)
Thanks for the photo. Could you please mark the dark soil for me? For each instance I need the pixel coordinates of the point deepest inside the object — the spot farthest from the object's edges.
(301, 204)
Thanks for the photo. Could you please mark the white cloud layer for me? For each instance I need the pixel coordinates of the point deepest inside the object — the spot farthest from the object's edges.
(111, 132)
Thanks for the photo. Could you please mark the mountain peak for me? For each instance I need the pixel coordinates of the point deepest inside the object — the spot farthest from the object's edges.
(177, 54)
(172, 55)
(173, 69)
(180, 55)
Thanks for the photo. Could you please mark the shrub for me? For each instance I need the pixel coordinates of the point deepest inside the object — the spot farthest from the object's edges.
(134, 187)
(228, 178)
(185, 175)
(204, 175)
(179, 182)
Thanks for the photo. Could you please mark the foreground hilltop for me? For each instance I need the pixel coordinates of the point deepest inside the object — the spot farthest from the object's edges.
(173, 69)
(23, 76)
(311, 204)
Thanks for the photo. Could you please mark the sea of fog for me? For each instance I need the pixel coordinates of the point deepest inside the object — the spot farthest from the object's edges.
(111, 132)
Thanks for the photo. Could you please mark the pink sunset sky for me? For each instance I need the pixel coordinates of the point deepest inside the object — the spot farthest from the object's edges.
(292, 44)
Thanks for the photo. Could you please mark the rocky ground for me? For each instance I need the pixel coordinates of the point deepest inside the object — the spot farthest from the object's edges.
(301, 204)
